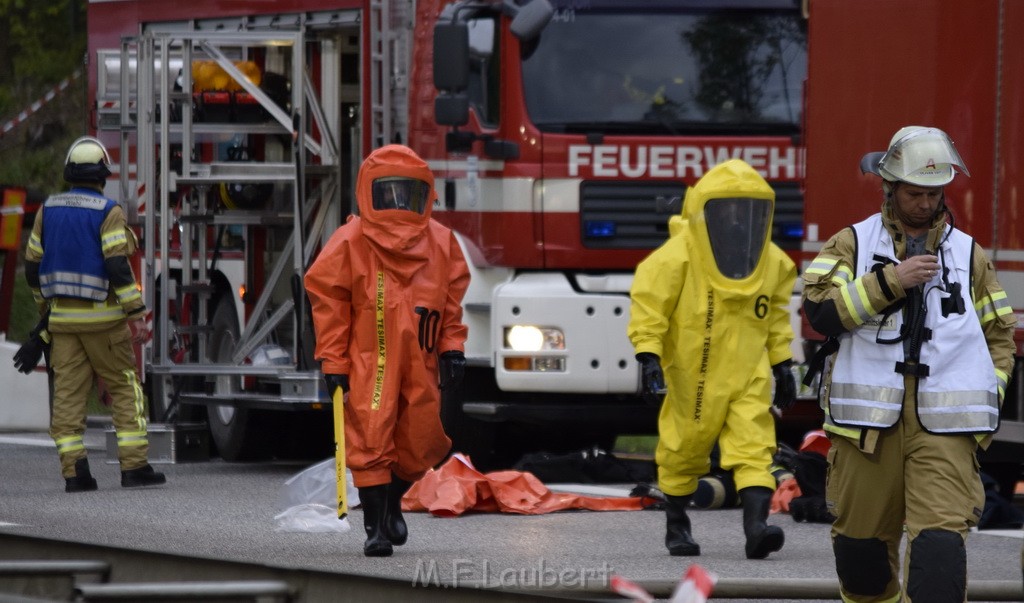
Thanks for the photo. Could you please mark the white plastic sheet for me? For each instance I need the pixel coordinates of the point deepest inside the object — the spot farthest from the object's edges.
(309, 500)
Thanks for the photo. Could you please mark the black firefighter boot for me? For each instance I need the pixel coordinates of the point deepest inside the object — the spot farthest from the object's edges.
(677, 537)
(374, 501)
(141, 477)
(394, 525)
(83, 480)
(761, 537)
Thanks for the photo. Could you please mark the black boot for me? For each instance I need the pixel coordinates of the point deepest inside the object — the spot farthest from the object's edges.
(83, 480)
(761, 537)
(394, 525)
(374, 501)
(677, 537)
(142, 476)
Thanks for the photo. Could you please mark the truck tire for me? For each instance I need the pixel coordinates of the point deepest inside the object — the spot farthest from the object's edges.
(238, 433)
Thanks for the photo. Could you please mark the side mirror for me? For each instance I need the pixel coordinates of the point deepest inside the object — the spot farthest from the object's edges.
(501, 149)
(530, 19)
(451, 108)
(458, 141)
(451, 56)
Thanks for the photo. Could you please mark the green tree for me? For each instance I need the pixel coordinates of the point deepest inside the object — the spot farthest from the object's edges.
(41, 43)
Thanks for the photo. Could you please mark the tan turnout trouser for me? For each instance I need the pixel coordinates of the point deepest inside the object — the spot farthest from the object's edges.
(924, 481)
(76, 359)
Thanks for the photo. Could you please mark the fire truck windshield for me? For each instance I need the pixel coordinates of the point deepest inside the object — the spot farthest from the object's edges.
(699, 72)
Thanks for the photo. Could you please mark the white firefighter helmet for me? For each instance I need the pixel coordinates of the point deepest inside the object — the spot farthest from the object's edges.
(917, 155)
(87, 161)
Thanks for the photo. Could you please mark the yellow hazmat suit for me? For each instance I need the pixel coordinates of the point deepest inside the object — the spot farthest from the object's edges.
(717, 335)
(717, 338)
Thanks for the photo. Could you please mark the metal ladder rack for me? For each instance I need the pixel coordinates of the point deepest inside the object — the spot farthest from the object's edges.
(304, 161)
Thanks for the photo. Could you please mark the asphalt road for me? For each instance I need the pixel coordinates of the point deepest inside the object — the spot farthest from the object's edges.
(220, 510)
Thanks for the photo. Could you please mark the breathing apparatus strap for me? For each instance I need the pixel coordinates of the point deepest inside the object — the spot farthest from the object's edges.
(817, 363)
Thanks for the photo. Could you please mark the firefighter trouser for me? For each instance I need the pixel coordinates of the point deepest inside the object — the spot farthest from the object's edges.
(930, 481)
(77, 358)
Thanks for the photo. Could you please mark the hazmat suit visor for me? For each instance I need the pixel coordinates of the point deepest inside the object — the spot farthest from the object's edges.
(737, 231)
(399, 192)
(925, 156)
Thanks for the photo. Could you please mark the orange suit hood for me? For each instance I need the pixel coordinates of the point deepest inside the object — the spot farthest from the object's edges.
(397, 235)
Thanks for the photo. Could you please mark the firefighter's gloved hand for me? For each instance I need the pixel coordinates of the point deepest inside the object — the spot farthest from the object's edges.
(28, 355)
(785, 385)
(453, 369)
(334, 382)
(652, 380)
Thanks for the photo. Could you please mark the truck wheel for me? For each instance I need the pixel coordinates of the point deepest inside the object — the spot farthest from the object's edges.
(239, 433)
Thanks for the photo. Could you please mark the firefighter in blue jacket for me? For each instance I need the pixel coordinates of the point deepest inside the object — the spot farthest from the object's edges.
(76, 265)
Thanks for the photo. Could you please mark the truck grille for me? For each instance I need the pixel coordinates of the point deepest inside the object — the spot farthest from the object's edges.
(627, 215)
(634, 215)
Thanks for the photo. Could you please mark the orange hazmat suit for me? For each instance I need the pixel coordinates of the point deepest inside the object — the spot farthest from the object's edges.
(386, 295)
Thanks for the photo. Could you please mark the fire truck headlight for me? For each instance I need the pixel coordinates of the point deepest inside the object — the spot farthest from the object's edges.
(528, 338)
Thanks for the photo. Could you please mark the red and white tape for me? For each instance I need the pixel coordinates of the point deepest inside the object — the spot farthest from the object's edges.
(46, 98)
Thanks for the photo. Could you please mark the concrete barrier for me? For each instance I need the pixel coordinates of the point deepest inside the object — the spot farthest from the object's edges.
(24, 405)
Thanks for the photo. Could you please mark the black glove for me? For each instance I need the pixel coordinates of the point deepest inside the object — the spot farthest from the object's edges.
(27, 357)
(785, 385)
(652, 380)
(453, 369)
(334, 382)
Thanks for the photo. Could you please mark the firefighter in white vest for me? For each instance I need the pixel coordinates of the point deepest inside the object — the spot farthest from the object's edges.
(925, 347)
(76, 265)
(709, 321)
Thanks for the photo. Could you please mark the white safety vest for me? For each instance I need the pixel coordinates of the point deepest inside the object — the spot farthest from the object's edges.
(959, 392)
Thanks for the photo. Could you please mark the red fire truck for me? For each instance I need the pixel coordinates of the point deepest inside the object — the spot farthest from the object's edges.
(875, 66)
(562, 135)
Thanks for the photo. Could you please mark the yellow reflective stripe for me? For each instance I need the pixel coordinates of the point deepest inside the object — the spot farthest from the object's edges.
(138, 398)
(130, 439)
(821, 265)
(856, 299)
(378, 381)
(864, 297)
(35, 244)
(844, 273)
(1001, 381)
(69, 443)
(138, 437)
(111, 240)
(127, 293)
(850, 308)
(84, 315)
(991, 306)
(846, 432)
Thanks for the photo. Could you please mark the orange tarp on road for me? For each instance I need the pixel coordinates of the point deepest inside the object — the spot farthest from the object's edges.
(457, 487)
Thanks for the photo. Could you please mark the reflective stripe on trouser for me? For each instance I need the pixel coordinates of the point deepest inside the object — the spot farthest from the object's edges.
(930, 480)
(77, 358)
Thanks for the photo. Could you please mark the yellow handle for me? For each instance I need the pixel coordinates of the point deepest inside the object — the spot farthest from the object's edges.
(339, 451)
